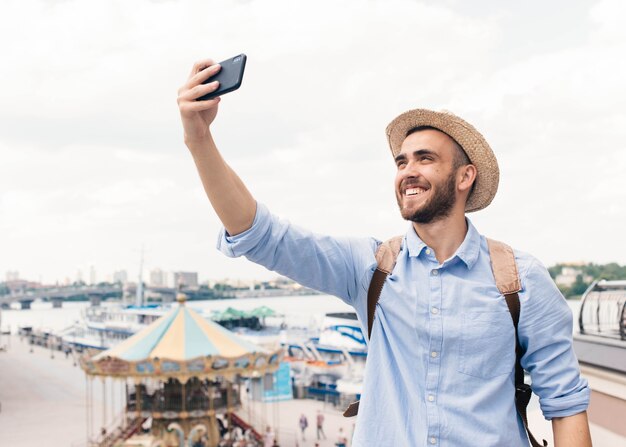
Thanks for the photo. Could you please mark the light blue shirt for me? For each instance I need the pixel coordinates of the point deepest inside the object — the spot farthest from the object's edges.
(441, 357)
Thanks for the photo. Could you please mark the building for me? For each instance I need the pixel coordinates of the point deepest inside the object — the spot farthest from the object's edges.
(186, 279)
(21, 286)
(158, 278)
(120, 276)
(568, 275)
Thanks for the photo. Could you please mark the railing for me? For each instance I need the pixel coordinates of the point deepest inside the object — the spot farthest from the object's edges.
(603, 310)
(118, 431)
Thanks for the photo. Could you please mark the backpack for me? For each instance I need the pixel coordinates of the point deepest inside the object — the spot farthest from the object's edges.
(507, 278)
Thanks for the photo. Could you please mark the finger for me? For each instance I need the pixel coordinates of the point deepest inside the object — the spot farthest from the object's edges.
(200, 65)
(200, 77)
(199, 106)
(191, 94)
(203, 75)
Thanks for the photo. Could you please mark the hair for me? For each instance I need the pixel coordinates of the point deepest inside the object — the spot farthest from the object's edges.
(460, 156)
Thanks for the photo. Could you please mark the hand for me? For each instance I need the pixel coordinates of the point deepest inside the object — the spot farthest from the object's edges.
(197, 116)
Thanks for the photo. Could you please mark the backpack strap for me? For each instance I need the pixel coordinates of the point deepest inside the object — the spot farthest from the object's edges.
(386, 256)
(508, 282)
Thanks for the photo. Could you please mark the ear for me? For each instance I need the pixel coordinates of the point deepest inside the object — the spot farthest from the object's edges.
(466, 176)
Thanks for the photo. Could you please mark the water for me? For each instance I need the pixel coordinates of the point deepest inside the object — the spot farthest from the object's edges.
(300, 311)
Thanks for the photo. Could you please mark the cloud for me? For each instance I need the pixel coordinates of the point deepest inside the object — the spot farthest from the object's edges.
(92, 163)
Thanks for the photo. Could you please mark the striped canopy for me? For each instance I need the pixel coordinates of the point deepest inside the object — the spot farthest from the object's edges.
(181, 343)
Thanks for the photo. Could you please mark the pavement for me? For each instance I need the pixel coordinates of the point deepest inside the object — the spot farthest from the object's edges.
(286, 416)
(42, 397)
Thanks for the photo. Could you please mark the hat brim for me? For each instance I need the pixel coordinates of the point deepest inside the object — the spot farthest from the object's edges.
(472, 142)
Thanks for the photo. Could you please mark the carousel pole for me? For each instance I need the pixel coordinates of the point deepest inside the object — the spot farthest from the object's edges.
(124, 400)
(183, 395)
(112, 400)
(214, 438)
(92, 417)
(138, 393)
(228, 409)
(87, 406)
(104, 406)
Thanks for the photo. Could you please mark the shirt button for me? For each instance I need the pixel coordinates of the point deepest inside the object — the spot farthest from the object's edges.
(434, 310)
(428, 251)
(433, 441)
(431, 398)
(434, 272)
(434, 354)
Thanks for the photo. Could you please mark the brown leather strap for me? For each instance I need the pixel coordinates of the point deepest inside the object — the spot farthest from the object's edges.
(352, 410)
(504, 267)
(523, 392)
(386, 256)
(373, 294)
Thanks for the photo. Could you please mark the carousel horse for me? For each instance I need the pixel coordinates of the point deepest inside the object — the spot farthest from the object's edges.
(179, 431)
(200, 428)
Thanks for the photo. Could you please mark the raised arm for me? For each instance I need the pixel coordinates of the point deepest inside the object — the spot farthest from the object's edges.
(228, 195)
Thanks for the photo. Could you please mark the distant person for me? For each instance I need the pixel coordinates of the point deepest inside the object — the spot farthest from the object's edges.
(268, 437)
(342, 441)
(319, 423)
(303, 423)
(441, 357)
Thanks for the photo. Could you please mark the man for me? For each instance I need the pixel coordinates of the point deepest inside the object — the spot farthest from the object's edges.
(320, 425)
(269, 438)
(441, 354)
(303, 423)
(342, 441)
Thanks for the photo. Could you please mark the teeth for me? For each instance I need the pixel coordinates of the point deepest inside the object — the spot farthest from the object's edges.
(414, 191)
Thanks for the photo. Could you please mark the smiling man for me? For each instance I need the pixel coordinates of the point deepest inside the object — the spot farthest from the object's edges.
(441, 367)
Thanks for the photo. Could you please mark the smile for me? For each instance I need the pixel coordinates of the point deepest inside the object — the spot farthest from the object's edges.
(414, 191)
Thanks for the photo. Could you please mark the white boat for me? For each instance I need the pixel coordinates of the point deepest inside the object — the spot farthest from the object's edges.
(330, 366)
(104, 327)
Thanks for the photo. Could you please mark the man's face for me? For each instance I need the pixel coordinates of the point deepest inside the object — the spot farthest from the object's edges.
(425, 180)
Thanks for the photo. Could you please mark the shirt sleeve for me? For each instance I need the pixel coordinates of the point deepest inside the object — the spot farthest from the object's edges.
(336, 266)
(545, 333)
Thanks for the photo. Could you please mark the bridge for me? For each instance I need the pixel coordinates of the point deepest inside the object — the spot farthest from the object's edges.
(59, 294)
(96, 294)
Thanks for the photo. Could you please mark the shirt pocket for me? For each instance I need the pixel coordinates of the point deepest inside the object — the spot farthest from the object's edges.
(487, 347)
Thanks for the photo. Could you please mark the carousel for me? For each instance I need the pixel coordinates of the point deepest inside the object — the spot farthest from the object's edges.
(175, 383)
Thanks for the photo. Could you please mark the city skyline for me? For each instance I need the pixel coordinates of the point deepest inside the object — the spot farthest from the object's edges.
(93, 165)
(154, 278)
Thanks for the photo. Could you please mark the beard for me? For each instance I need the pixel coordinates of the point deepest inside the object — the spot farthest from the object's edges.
(437, 207)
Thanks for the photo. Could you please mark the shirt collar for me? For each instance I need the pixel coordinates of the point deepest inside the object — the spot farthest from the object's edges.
(467, 251)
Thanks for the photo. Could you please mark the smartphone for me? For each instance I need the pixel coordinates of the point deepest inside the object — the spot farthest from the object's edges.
(230, 77)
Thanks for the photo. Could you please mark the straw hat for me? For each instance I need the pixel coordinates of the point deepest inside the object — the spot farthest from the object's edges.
(472, 142)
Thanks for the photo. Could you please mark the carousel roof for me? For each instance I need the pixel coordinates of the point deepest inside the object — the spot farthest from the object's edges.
(181, 335)
(181, 343)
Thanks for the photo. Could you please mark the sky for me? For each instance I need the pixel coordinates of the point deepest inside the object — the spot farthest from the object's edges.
(93, 165)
